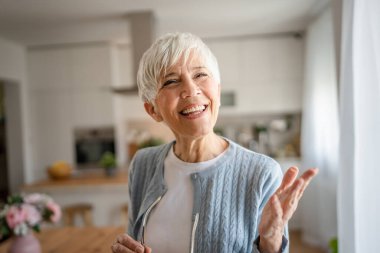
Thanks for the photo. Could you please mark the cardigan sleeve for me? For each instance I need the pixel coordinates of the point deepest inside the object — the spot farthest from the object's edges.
(272, 177)
(283, 249)
(130, 209)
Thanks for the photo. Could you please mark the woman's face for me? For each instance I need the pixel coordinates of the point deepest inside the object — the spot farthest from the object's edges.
(188, 99)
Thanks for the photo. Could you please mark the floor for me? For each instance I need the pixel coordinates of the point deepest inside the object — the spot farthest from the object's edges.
(297, 246)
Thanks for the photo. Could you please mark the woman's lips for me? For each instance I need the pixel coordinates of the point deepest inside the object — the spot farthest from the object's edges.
(192, 110)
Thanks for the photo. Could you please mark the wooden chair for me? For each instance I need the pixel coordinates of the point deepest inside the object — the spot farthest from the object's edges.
(83, 210)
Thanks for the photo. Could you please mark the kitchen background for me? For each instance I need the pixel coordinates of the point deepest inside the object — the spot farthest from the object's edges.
(78, 76)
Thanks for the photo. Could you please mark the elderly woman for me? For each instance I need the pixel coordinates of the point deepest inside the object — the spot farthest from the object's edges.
(202, 192)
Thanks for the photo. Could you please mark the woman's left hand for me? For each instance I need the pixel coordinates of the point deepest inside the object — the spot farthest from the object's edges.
(281, 207)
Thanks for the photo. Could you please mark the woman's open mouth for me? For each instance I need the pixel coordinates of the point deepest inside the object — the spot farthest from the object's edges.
(194, 110)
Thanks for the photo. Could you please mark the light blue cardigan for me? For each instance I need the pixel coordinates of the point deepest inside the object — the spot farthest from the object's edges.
(228, 197)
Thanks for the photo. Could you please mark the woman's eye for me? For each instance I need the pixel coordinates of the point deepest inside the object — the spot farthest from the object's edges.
(168, 82)
(201, 74)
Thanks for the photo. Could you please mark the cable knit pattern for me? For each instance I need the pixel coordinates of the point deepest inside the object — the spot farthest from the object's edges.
(229, 197)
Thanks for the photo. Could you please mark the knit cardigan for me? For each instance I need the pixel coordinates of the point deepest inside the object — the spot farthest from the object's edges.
(228, 197)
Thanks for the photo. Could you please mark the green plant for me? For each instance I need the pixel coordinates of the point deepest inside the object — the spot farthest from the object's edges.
(333, 244)
(108, 160)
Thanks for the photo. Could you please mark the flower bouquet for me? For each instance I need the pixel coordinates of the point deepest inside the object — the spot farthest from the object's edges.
(23, 213)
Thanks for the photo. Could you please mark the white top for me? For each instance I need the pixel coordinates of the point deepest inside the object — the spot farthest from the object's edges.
(169, 226)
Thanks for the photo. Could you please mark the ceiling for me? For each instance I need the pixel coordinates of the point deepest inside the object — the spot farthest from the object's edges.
(34, 22)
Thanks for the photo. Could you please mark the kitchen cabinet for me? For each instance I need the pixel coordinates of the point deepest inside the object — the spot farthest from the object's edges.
(227, 54)
(265, 73)
(69, 87)
(123, 74)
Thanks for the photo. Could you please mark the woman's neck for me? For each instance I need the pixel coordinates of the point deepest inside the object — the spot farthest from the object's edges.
(201, 149)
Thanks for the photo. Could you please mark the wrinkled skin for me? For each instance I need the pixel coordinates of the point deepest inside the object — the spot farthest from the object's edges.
(281, 207)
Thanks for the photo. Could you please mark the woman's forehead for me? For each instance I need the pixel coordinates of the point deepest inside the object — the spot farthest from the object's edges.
(193, 60)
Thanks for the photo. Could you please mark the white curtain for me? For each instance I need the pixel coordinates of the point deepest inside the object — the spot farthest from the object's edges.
(359, 173)
(320, 131)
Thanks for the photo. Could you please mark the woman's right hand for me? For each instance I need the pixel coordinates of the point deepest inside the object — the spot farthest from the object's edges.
(126, 244)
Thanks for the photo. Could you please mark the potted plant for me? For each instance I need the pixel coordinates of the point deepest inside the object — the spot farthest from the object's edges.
(333, 245)
(108, 162)
(21, 215)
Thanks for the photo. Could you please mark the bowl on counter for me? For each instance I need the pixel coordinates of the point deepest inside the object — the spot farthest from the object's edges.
(60, 170)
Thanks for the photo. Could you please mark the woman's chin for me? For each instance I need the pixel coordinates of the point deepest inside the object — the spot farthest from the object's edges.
(197, 133)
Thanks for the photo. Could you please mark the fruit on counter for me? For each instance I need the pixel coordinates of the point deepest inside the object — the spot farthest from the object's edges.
(60, 170)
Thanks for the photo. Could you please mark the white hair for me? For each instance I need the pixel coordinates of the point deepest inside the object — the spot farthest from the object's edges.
(163, 54)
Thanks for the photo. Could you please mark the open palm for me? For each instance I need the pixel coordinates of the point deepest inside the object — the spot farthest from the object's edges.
(282, 205)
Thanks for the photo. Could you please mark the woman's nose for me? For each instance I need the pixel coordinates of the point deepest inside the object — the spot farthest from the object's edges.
(189, 88)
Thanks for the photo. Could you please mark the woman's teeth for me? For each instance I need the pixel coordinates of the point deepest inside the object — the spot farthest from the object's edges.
(194, 109)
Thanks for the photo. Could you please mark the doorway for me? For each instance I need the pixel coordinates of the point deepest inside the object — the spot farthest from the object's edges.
(11, 139)
(4, 182)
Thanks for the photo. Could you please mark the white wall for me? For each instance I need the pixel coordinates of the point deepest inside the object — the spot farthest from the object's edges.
(13, 73)
(12, 61)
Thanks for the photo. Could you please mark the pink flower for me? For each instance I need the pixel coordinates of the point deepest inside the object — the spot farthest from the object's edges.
(33, 216)
(35, 198)
(55, 209)
(15, 216)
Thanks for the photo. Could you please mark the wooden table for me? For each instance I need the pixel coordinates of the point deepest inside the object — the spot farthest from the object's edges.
(75, 240)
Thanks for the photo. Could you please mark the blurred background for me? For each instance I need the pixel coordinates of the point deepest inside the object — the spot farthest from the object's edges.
(68, 93)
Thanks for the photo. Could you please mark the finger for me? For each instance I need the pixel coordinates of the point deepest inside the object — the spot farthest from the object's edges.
(119, 248)
(148, 250)
(307, 176)
(276, 206)
(288, 179)
(130, 243)
(292, 200)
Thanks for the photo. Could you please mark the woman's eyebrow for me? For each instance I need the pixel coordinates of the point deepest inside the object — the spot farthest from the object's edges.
(170, 75)
(173, 73)
(198, 67)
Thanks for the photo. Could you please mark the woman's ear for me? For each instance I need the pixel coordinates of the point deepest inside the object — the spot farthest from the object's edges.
(149, 108)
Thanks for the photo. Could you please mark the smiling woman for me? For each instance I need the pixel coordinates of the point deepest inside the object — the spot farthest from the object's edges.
(201, 192)
(188, 99)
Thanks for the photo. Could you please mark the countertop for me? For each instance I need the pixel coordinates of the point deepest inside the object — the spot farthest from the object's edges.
(88, 178)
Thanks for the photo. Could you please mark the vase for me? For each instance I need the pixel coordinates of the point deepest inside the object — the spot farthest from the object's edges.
(25, 244)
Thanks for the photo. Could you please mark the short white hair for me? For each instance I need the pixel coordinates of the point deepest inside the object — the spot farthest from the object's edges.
(163, 54)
